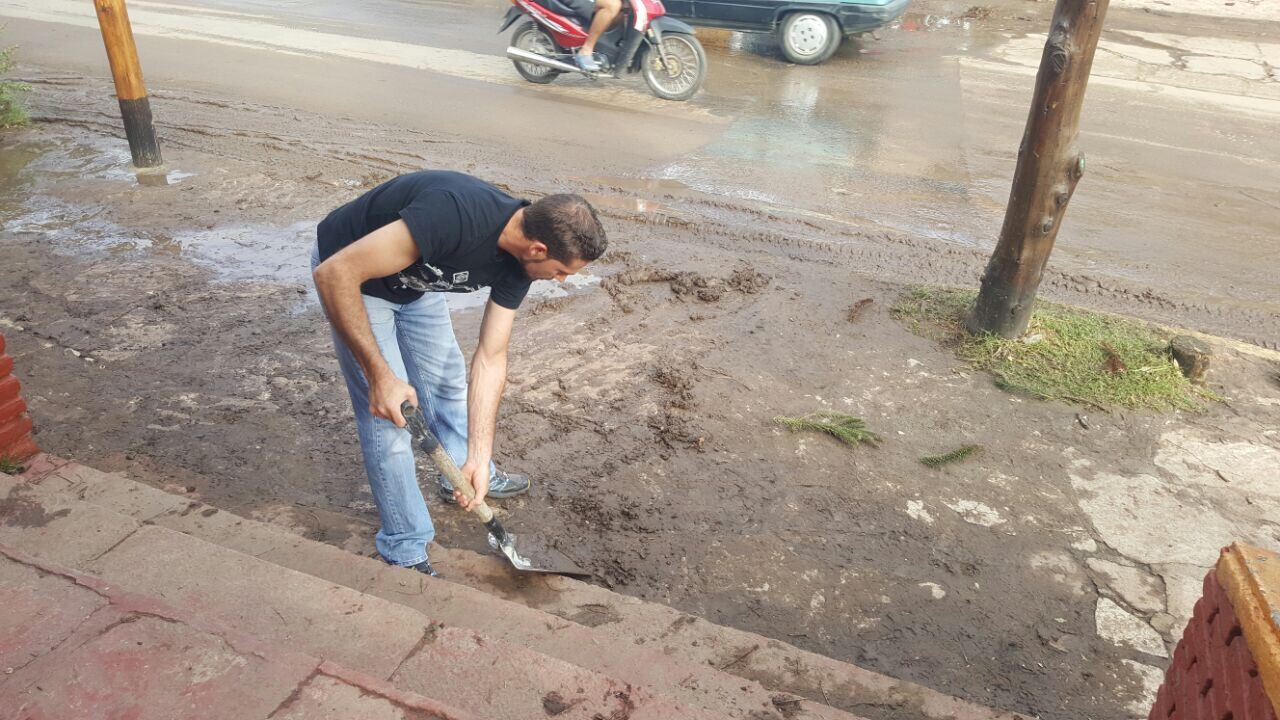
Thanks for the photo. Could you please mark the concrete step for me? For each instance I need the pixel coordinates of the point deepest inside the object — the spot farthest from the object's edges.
(282, 607)
(644, 643)
(74, 646)
(694, 684)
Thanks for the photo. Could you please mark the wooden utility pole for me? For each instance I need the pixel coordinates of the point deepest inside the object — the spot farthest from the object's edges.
(1049, 166)
(135, 108)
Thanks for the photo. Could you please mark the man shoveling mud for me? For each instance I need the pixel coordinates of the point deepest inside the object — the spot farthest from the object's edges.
(380, 264)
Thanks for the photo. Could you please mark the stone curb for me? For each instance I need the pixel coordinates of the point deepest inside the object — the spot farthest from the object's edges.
(360, 629)
(599, 621)
(130, 603)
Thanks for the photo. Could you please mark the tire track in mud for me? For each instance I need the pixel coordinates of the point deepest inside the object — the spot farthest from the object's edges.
(291, 143)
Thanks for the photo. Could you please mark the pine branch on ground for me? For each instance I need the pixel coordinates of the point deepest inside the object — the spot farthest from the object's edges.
(846, 428)
(957, 455)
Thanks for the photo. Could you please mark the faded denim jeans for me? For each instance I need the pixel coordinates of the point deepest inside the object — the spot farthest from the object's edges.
(417, 341)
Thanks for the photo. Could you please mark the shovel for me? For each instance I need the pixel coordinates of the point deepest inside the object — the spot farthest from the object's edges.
(526, 552)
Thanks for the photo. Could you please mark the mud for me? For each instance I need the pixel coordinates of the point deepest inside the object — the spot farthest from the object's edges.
(554, 704)
(858, 308)
(23, 513)
(168, 332)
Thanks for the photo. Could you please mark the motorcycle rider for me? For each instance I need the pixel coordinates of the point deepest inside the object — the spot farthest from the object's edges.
(606, 11)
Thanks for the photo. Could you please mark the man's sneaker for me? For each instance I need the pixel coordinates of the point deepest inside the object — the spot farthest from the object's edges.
(587, 63)
(425, 568)
(502, 485)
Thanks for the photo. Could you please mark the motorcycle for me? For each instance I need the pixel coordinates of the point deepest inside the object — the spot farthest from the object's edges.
(662, 49)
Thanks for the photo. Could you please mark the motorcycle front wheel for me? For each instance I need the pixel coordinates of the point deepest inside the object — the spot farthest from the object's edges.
(531, 38)
(680, 70)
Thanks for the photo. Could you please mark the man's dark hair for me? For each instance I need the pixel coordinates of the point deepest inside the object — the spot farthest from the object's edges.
(567, 225)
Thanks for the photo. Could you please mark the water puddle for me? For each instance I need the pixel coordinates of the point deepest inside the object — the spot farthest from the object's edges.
(922, 22)
(98, 158)
(698, 176)
(41, 179)
(540, 290)
(69, 228)
(234, 253)
(648, 210)
(251, 252)
(36, 167)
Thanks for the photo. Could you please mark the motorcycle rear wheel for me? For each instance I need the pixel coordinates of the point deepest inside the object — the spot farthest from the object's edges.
(684, 71)
(531, 38)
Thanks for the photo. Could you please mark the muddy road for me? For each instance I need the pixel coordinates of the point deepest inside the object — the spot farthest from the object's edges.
(170, 332)
(914, 134)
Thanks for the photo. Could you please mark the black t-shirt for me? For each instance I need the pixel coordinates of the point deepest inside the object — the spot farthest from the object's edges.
(455, 221)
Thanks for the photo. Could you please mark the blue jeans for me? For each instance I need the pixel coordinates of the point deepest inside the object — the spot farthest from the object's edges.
(417, 341)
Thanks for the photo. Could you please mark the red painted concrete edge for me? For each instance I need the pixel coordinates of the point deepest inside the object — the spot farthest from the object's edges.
(41, 466)
(16, 442)
(134, 603)
(12, 408)
(13, 433)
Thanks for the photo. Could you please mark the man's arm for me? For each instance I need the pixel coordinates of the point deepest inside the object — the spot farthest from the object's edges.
(383, 252)
(484, 393)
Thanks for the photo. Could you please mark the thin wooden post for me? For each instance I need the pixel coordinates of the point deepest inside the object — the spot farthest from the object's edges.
(135, 108)
(1049, 166)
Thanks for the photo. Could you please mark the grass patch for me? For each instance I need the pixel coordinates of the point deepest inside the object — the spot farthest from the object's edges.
(955, 456)
(9, 466)
(1066, 354)
(12, 111)
(847, 429)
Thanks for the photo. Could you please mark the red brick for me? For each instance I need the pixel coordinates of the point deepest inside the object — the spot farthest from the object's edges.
(1, 342)
(6, 364)
(1257, 697)
(1204, 655)
(22, 450)
(1200, 701)
(1235, 665)
(1162, 707)
(9, 388)
(11, 409)
(13, 431)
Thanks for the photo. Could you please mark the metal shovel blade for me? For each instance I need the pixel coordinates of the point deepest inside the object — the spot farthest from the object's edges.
(531, 553)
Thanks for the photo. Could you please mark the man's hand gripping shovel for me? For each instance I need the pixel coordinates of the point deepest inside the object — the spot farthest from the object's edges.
(526, 552)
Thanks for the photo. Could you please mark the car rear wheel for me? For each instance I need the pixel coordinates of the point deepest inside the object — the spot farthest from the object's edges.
(808, 38)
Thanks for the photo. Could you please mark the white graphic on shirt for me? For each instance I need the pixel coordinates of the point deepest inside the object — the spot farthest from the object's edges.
(425, 277)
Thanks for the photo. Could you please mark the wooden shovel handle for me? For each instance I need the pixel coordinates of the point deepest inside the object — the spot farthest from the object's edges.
(428, 441)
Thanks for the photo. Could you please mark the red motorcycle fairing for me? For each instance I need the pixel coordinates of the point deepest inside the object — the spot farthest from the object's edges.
(566, 31)
(569, 34)
(646, 12)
